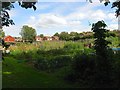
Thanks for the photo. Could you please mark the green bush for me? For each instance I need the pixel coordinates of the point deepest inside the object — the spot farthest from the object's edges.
(83, 69)
(56, 52)
(116, 69)
(41, 63)
(60, 61)
(53, 63)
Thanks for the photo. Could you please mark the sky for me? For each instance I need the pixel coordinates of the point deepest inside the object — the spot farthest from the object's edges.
(52, 17)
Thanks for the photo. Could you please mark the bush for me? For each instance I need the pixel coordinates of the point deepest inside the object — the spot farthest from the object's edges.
(41, 63)
(83, 69)
(56, 52)
(60, 61)
(116, 69)
(53, 63)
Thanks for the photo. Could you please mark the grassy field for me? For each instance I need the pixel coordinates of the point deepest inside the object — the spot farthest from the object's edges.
(20, 73)
(43, 65)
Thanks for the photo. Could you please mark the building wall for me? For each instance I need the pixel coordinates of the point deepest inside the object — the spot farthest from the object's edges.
(9, 39)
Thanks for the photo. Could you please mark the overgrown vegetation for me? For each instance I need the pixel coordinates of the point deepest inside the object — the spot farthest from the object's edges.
(63, 63)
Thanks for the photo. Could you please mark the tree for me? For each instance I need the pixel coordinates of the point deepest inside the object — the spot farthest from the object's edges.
(2, 33)
(56, 34)
(103, 66)
(41, 35)
(115, 4)
(5, 18)
(64, 36)
(28, 33)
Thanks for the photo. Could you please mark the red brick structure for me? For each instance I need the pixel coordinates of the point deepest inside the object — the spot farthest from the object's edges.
(47, 38)
(38, 38)
(9, 39)
(55, 38)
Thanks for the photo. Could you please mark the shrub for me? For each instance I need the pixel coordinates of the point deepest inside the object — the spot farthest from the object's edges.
(41, 63)
(60, 61)
(116, 69)
(53, 63)
(83, 69)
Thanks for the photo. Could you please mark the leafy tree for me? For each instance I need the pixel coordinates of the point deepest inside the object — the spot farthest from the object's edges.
(115, 4)
(73, 35)
(2, 33)
(101, 46)
(64, 36)
(28, 33)
(56, 34)
(6, 6)
(41, 35)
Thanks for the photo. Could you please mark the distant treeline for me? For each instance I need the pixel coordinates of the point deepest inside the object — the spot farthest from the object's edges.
(84, 35)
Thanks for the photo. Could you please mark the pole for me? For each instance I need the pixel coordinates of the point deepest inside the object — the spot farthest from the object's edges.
(0, 49)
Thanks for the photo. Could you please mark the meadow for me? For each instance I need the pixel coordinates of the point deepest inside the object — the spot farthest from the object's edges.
(50, 64)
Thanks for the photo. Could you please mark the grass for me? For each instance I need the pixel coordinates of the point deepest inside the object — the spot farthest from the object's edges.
(21, 75)
(19, 72)
(0, 74)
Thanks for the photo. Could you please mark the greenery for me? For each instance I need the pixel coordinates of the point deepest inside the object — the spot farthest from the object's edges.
(103, 67)
(44, 66)
(6, 6)
(64, 64)
(28, 33)
(2, 33)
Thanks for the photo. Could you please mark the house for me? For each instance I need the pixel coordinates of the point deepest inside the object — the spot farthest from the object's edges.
(47, 38)
(18, 39)
(9, 39)
(38, 38)
(55, 38)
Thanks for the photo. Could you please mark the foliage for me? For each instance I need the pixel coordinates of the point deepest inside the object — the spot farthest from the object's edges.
(64, 36)
(42, 63)
(67, 61)
(82, 69)
(56, 34)
(100, 35)
(103, 63)
(117, 5)
(41, 35)
(6, 6)
(2, 33)
(28, 33)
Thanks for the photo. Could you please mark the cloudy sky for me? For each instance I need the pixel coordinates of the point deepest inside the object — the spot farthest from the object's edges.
(52, 17)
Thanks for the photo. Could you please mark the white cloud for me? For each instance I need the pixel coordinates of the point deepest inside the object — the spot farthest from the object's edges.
(113, 26)
(44, 20)
(76, 16)
(12, 30)
(12, 13)
(74, 20)
(97, 15)
(42, 6)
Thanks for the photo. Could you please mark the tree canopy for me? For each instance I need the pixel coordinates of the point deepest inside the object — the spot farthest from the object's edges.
(6, 6)
(2, 33)
(28, 33)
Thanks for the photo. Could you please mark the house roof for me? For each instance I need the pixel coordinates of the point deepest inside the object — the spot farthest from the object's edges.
(8, 36)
